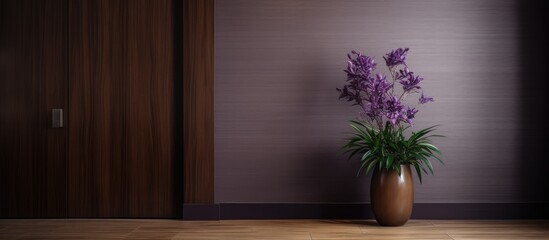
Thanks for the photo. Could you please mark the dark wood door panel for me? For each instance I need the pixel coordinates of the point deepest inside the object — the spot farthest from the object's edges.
(121, 109)
(198, 95)
(32, 82)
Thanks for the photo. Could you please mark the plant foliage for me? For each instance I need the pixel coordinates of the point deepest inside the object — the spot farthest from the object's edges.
(379, 137)
(389, 148)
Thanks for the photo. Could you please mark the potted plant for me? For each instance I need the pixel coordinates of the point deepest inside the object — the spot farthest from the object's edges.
(381, 139)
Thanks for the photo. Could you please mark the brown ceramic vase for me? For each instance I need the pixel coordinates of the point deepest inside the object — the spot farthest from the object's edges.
(392, 196)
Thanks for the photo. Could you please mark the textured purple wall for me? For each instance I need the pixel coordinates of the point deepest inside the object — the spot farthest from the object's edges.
(279, 125)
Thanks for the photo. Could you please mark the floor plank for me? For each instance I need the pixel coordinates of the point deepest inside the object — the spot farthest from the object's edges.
(27, 229)
(500, 236)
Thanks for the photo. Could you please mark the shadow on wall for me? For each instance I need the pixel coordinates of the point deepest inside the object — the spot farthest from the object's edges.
(326, 159)
(534, 133)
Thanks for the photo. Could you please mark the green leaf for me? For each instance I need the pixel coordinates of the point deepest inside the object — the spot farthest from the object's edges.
(429, 165)
(418, 172)
(371, 166)
(423, 169)
(357, 128)
(397, 169)
(390, 161)
(368, 153)
(421, 133)
(437, 158)
(431, 147)
(361, 167)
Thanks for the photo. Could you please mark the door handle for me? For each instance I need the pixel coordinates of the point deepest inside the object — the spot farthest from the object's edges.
(57, 118)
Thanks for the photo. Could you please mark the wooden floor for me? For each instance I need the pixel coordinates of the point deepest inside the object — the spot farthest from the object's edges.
(270, 229)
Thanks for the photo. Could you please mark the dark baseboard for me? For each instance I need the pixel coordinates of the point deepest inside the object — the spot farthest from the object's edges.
(201, 212)
(363, 211)
(295, 211)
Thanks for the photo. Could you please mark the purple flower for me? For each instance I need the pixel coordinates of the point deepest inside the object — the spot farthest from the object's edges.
(358, 72)
(396, 57)
(378, 85)
(374, 92)
(403, 73)
(372, 109)
(423, 99)
(410, 115)
(394, 109)
(411, 82)
(361, 66)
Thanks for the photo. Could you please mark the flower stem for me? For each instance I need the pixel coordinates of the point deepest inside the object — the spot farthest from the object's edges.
(394, 80)
(402, 95)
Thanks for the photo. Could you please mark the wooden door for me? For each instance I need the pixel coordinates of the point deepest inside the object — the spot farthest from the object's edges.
(32, 82)
(121, 109)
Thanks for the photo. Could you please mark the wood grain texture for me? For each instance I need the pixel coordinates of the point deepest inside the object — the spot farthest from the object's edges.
(32, 82)
(235, 211)
(271, 229)
(121, 109)
(279, 125)
(198, 70)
